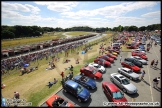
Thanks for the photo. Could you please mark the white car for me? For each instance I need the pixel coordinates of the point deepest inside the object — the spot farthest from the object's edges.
(97, 66)
(144, 62)
(123, 83)
(139, 50)
(129, 73)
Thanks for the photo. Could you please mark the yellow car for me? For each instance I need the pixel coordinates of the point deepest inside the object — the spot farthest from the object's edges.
(114, 53)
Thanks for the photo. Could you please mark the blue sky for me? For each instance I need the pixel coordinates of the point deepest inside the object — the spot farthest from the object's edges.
(92, 14)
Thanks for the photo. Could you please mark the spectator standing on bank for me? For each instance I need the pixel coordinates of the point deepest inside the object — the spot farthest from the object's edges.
(152, 63)
(62, 74)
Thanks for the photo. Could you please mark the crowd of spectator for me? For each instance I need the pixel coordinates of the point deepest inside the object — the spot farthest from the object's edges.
(19, 61)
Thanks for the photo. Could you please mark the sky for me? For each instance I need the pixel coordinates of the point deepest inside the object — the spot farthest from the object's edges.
(78, 13)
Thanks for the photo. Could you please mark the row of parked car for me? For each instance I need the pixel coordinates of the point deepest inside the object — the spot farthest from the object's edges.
(80, 85)
(157, 39)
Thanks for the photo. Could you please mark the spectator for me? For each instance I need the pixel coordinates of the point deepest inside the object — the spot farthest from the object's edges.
(71, 68)
(71, 74)
(156, 63)
(77, 61)
(156, 81)
(143, 73)
(152, 63)
(55, 81)
(120, 58)
(50, 84)
(3, 86)
(62, 74)
(16, 95)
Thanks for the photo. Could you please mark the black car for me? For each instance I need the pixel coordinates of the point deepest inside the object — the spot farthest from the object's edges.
(134, 61)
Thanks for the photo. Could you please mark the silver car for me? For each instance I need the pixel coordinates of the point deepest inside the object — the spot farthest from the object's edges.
(144, 62)
(129, 73)
(123, 83)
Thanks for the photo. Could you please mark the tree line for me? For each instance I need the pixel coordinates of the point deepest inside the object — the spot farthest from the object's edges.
(18, 31)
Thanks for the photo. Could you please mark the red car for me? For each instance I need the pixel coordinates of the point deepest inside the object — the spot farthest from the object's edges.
(132, 46)
(114, 50)
(112, 56)
(130, 65)
(91, 72)
(102, 62)
(107, 58)
(140, 54)
(113, 93)
(57, 101)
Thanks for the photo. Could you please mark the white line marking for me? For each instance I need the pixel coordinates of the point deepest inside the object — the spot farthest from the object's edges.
(150, 83)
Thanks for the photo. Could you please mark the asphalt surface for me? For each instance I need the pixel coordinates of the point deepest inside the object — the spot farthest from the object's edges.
(146, 93)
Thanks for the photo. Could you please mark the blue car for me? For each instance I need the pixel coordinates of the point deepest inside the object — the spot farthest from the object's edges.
(142, 47)
(81, 93)
(85, 81)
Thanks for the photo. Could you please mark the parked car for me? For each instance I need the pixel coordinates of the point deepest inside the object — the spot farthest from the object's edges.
(77, 90)
(116, 45)
(158, 42)
(107, 58)
(57, 101)
(144, 62)
(130, 66)
(91, 72)
(123, 83)
(100, 68)
(134, 53)
(140, 50)
(111, 49)
(112, 56)
(129, 73)
(113, 93)
(134, 61)
(132, 46)
(85, 81)
(102, 62)
(142, 47)
(141, 55)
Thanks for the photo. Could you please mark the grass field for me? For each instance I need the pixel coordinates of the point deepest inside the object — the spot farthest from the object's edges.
(32, 86)
(44, 37)
(77, 33)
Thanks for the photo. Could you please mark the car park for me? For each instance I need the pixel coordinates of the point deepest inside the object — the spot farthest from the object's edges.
(102, 62)
(107, 58)
(134, 61)
(128, 73)
(77, 90)
(57, 101)
(123, 83)
(91, 72)
(130, 66)
(97, 66)
(85, 81)
(113, 93)
(144, 62)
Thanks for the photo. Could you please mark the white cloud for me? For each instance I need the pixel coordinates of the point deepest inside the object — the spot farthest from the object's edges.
(20, 7)
(109, 11)
(152, 14)
(59, 6)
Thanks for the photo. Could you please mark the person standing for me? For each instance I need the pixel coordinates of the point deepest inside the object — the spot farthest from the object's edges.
(155, 82)
(156, 63)
(62, 74)
(143, 73)
(16, 95)
(152, 63)
(120, 58)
